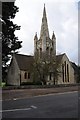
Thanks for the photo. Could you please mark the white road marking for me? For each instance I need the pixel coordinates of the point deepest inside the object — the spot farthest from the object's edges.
(13, 110)
(14, 99)
(32, 106)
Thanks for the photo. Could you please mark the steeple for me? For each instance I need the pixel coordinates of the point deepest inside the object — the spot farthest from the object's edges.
(44, 26)
(44, 12)
(44, 47)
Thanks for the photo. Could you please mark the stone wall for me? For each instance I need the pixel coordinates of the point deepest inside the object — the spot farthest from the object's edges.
(66, 61)
(24, 76)
(13, 73)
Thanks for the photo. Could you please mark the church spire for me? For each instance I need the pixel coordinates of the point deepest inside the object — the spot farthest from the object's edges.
(44, 27)
(44, 12)
(44, 47)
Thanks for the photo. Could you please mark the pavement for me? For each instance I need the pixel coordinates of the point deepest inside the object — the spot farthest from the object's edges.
(26, 93)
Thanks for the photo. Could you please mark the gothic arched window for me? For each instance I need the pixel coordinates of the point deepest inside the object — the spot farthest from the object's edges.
(25, 75)
(63, 72)
(68, 72)
(50, 76)
(28, 75)
(47, 51)
(40, 52)
(51, 50)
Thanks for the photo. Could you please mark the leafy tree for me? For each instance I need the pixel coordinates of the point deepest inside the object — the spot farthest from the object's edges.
(43, 67)
(10, 43)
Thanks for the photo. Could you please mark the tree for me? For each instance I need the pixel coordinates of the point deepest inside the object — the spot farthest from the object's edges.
(10, 43)
(40, 70)
(43, 67)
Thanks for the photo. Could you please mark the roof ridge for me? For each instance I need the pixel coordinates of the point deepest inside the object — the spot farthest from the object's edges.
(24, 55)
(60, 54)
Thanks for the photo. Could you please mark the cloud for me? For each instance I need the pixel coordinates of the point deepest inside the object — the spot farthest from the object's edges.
(62, 18)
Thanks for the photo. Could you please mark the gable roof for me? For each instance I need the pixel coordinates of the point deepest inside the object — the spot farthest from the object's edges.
(24, 61)
(75, 67)
(59, 57)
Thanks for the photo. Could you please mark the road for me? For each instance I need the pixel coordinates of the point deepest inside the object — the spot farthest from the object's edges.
(57, 105)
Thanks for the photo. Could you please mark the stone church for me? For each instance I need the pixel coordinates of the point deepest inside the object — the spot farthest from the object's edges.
(44, 48)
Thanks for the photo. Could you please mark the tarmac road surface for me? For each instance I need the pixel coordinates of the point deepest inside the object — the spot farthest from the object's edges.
(57, 105)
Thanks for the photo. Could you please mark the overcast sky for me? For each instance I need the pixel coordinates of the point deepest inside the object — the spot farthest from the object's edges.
(62, 16)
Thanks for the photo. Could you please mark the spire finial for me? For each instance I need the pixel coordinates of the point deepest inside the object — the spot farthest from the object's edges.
(36, 33)
(35, 37)
(53, 36)
(44, 4)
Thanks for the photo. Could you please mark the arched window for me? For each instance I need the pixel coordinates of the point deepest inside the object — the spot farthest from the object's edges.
(47, 50)
(52, 43)
(25, 75)
(50, 76)
(40, 52)
(51, 50)
(28, 75)
(68, 72)
(63, 71)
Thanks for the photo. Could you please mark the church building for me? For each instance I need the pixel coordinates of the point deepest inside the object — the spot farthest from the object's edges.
(44, 51)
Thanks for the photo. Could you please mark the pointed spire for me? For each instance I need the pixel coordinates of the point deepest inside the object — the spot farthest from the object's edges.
(44, 12)
(44, 26)
(35, 37)
(53, 35)
(44, 4)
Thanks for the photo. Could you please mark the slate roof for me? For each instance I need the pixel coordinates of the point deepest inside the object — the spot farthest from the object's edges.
(24, 61)
(75, 67)
(59, 57)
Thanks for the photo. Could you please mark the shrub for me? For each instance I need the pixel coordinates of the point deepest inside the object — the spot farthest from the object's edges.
(38, 83)
(31, 83)
(2, 84)
(27, 83)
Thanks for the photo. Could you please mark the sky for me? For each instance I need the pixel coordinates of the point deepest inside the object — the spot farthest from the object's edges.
(62, 17)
